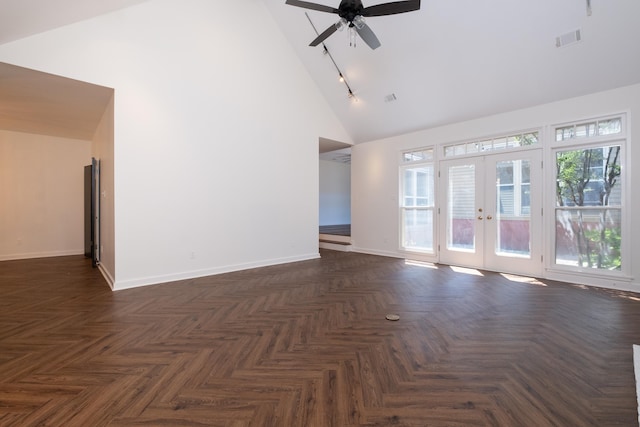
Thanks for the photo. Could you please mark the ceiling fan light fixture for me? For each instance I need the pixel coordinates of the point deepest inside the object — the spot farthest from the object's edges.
(359, 22)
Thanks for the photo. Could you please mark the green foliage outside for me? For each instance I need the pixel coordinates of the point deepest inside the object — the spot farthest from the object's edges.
(588, 178)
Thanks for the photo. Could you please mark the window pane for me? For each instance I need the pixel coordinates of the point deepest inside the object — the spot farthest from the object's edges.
(513, 236)
(514, 141)
(417, 212)
(589, 238)
(499, 143)
(505, 172)
(486, 145)
(418, 184)
(567, 133)
(473, 147)
(505, 200)
(588, 177)
(525, 199)
(587, 130)
(609, 127)
(530, 138)
(459, 150)
(416, 156)
(409, 188)
(417, 229)
(526, 171)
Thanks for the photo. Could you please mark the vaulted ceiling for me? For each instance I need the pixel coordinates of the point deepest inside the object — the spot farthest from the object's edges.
(461, 59)
(450, 61)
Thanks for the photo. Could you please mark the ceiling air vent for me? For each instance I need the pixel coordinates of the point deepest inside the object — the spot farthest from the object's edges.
(568, 38)
(390, 98)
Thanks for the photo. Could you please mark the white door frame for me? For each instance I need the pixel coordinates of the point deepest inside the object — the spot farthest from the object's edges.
(483, 254)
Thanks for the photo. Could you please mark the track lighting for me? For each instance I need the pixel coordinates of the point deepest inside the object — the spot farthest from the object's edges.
(341, 77)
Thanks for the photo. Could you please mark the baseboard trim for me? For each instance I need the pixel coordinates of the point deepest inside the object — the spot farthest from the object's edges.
(342, 247)
(107, 276)
(375, 252)
(156, 280)
(33, 255)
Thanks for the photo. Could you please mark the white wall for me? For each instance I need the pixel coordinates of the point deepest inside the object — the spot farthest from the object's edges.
(211, 105)
(375, 180)
(335, 193)
(41, 195)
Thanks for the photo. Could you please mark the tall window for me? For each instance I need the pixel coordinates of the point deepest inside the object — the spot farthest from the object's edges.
(417, 200)
(589, 196)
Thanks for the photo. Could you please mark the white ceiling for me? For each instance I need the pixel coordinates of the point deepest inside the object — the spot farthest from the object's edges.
(451, 61)
(22, 18)
(461, 59)
(41, 103)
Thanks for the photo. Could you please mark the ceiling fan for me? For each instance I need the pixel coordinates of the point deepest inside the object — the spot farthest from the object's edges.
(352, 14)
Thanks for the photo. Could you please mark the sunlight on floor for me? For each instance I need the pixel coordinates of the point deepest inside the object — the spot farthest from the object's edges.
(464, 270)
(422, 264)
(523, 279)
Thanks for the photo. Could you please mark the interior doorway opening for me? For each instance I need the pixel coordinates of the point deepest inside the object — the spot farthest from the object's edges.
(335, 195)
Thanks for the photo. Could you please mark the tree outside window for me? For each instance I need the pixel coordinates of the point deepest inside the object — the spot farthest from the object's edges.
(589, 208)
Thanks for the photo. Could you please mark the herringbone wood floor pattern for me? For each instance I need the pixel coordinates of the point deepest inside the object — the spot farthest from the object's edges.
(307, 344)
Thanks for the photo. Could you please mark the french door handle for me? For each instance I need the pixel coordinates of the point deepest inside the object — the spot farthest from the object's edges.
(489, 217)
(480, 217)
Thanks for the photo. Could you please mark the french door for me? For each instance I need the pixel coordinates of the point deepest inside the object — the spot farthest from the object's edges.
(490, 215)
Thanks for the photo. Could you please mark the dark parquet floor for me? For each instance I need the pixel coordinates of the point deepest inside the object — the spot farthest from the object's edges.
(307, 344)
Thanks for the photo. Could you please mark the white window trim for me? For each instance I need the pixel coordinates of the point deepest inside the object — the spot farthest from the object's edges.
(573, 274)
(420, 255)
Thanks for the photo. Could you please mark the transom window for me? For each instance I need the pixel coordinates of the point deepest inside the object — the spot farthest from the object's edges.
(484, 145)
(590, 129)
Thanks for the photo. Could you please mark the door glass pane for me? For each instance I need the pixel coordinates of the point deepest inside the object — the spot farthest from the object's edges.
(513, 209)
(461, 208)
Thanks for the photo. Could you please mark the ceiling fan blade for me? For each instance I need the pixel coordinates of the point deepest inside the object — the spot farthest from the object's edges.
(368, 36)
(325, 34)
(391, 8)
(312, 6)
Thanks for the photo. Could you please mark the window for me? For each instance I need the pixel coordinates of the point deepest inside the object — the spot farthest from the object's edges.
(590, 129)
(589, 197)
(501, 143)
(417, 201)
